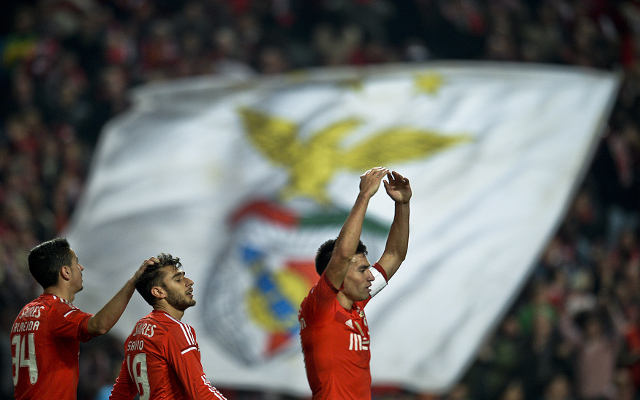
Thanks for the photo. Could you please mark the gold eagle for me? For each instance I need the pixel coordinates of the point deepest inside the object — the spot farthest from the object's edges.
(311, 164)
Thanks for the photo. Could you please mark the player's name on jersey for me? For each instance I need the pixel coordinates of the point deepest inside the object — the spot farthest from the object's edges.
(133, 345)
(144, 329)
(26, 326)
(31, 312)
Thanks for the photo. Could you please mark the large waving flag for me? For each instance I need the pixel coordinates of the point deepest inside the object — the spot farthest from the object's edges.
(244, 179)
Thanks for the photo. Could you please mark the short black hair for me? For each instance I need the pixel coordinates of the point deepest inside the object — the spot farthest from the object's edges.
(152, 276)
(47, 259)
(326, 250)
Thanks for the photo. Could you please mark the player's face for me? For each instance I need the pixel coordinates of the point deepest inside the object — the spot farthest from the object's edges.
(179, 289)
(357, 282)
(76, 272)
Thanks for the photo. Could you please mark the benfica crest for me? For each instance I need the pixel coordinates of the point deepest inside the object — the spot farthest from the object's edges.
(257, 284)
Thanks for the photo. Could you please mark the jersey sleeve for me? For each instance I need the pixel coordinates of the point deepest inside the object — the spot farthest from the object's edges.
(124, 388)
(183, 354)
(69, 321)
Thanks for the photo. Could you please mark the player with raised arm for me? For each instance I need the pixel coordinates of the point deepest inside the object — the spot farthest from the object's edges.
(333, 327)
(162, 357)
(46, 335)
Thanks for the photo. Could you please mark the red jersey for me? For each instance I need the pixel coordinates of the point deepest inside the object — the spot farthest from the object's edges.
(335, 343)
(162, 362)
(45, 344)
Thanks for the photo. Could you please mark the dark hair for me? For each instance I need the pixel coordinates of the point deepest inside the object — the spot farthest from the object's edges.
(47, 259)
(152, 276)
(326, 250)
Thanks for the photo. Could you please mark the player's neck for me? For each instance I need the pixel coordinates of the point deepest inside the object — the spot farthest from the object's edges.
(344, 301)
(60, 292)
(164, 306)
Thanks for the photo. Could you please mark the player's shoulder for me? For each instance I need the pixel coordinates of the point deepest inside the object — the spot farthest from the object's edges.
(182, 333)
(309, 298)
(47, 306)
(168, 323)
(149, 327)
(53, 302)
(319, 302)
(33, 309)
(322, 289)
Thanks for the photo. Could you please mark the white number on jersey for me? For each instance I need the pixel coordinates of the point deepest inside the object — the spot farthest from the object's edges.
(138, 373)
(25, 356)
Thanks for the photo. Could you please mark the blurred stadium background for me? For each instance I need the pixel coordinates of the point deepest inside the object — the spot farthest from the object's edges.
(67, 66)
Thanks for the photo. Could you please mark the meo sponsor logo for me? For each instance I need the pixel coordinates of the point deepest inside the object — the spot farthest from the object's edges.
(357, 342)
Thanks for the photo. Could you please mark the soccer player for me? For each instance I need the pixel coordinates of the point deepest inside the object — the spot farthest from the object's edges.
(162, 357)
(46, 335)
(333, 327)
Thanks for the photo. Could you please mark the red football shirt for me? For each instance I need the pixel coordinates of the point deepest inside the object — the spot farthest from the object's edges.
(335, 343)
(45, 343)
(162, 362)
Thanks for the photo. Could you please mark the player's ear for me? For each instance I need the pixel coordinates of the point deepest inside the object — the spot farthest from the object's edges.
(65, 272)
(158, 292)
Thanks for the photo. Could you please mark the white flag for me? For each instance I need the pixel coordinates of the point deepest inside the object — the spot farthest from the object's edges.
(244, 180)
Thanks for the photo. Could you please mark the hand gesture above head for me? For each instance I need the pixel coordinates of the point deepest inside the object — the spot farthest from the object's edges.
(398, 187)
(370, 180)
(143, 267)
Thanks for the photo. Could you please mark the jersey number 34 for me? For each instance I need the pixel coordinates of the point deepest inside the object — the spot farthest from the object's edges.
(24, 356)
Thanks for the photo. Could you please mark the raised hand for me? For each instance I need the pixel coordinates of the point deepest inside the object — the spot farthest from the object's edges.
(143, 267)
(397, 187)
(370, 180)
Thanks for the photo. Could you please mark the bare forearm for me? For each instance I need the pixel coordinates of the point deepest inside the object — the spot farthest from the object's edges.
(107, 317)
(398, 241)
(347, 241)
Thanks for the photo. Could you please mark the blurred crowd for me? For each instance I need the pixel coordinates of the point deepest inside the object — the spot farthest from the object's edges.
(66, 66)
